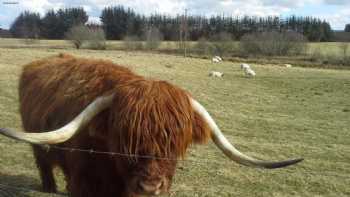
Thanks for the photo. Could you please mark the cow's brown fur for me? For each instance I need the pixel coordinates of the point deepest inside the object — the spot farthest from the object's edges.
(147, 117)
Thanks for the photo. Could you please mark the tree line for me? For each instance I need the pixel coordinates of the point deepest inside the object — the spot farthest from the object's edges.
(347, 28)
(119, 22)
(53, 25)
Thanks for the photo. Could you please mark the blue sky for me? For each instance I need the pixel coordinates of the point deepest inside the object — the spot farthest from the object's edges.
(337, 12)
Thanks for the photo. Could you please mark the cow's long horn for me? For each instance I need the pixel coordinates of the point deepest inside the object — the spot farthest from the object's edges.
(229, 150)
(67, 131)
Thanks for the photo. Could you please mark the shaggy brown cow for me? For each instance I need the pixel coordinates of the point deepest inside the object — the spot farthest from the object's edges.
(118, 111)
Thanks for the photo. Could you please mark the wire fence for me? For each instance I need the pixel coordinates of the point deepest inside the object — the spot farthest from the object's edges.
(91, 151)
(7, 190)
(198, 161)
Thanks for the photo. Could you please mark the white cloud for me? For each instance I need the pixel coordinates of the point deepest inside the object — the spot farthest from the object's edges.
(143, 6)
(87, 8)
(339, 19)
(40, 6)
(337, 2)
(94, 20)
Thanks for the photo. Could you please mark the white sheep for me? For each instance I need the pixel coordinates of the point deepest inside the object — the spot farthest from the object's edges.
(249, 72)
(219, 58)
(288, 65)
(245, 66)
(215, 60)
(216, 74)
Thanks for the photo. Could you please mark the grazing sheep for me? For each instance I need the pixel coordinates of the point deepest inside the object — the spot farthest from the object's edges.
(169, 65)
(216, 74)
(215, 60)
(288, 65)
(249, 72)
(245, 66)
(219, 58)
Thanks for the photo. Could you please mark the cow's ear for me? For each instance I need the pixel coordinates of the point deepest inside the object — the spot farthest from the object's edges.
(201, 131)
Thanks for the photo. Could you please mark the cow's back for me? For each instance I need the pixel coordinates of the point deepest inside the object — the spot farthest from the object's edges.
(54, 90)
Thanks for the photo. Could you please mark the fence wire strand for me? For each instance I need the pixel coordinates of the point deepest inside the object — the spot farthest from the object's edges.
(198, 161)
(5, 187)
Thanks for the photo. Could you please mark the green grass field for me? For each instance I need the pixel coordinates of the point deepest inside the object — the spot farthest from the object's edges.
(282, 113)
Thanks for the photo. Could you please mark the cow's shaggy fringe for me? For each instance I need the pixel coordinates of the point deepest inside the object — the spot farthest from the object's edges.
(153, 117)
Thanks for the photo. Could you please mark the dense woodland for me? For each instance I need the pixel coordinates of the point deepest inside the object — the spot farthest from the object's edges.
(119, 22)
(347, 28)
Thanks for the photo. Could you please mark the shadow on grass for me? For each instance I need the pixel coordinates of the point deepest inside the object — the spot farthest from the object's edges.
(17, 185)
(21, 186)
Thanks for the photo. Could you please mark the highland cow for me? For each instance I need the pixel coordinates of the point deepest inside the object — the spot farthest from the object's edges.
(117, 111)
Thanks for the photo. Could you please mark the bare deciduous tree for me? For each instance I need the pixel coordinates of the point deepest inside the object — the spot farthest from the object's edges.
(273, 43)
(78, 34)
(153, 38)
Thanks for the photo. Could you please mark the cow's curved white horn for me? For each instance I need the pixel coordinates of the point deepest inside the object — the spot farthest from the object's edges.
(67, 131)
(229, 150)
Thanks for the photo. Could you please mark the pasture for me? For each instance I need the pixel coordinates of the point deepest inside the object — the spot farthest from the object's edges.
(281, 113)
(334, 55)
(323, 48)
